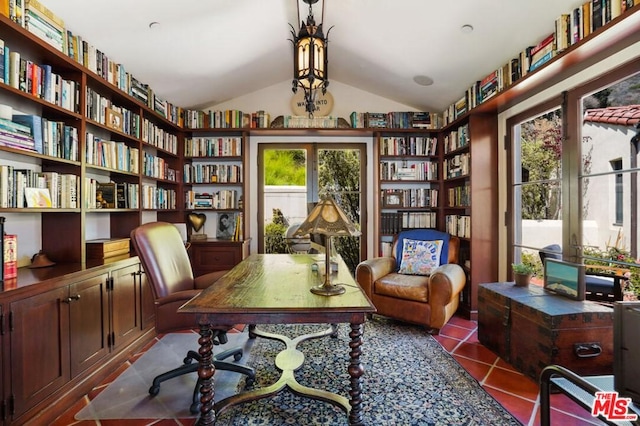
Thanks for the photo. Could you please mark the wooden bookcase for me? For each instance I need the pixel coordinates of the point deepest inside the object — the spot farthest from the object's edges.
(407, 181)
(215, 179)
(470, 199)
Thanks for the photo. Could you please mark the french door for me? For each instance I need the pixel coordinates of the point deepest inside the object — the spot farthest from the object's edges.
(292, 177)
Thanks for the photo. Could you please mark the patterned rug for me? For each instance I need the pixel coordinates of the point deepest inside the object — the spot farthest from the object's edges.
(409, 380)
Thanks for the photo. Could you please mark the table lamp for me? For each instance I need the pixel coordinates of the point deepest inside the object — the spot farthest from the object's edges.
(328, 219)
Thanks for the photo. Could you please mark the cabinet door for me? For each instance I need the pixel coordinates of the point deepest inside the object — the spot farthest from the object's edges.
(39, 347)
(89, 322)
(125, 306)
(148, 312)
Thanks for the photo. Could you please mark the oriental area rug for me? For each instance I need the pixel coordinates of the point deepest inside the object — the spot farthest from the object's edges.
(409, 380)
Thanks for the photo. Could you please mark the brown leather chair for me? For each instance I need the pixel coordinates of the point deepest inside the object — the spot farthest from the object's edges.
(166, 264)
(428, 300)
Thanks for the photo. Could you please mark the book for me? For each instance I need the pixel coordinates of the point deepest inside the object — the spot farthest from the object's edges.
(541, 61)
(36, 5)
(37, 197)
(34, 124)
(10, 257)
(545, 42)
(106, 195)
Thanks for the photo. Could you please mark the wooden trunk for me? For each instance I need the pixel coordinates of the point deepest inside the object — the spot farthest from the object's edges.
(531, 329)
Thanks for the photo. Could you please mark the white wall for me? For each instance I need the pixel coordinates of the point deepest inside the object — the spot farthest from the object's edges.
(276, 101)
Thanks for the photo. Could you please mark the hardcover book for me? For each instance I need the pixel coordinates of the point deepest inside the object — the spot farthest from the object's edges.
(106, 195)
(10, 256)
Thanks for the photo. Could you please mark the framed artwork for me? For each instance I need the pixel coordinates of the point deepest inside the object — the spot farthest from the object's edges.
(226, 228)
(392, 199)
(114, 119)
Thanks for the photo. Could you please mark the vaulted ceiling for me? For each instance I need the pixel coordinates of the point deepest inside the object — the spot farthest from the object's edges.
(205, 52)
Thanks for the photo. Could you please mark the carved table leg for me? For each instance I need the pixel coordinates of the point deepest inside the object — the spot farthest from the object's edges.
(356, 370)
(205, 373)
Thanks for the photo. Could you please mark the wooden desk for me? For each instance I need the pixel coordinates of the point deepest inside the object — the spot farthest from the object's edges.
(274, 289)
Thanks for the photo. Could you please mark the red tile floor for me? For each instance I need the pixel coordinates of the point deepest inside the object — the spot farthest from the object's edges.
(516, 392)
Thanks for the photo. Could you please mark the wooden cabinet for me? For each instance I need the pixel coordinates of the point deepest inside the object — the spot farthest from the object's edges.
(39, 348)
(408, 182)
(57, 337)
(125, 299)
(216, 255)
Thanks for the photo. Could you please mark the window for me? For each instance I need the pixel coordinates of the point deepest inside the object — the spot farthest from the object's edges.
(536, 182)
(617, 190)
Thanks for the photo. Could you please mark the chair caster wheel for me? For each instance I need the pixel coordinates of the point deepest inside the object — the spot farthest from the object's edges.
(187, 360)
(237, 357)
(154, 390)
(249, 382)
(194, 408)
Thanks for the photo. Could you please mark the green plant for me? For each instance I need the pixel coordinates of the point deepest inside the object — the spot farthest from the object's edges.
(522, 268)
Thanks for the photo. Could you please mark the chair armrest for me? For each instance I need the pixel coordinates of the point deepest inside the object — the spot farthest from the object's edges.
(370, 270)
(445, 282)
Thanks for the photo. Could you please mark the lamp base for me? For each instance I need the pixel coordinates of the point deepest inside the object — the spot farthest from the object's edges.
(327, 290)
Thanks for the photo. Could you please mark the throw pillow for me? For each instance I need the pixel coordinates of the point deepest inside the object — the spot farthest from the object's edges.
(420, 257)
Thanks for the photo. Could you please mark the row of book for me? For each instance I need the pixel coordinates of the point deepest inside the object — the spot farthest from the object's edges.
(226, 119)
(459, 196)
(34, 133)
(158, 168)
(458, 225)
(570, 28)
(408, 145)
(98, 108)
(403, 170)
(158, 137)
(20, 188)
(305, 122)
(156, 198)
(111, 154)
(396, 120)
(212, 173)
(213, 147)
(110, 195)
(456, 139)
(412, 197)
(457, 165)
(223, 199)
(37, 79)
(393, 222)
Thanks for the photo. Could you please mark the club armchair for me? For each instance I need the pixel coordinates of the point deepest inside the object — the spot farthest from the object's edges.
(165, 261)
(401, 293)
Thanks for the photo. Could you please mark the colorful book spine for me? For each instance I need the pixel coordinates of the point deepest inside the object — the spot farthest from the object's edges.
(10, 258)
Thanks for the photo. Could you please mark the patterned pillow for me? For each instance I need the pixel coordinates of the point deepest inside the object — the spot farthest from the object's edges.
(420, 257)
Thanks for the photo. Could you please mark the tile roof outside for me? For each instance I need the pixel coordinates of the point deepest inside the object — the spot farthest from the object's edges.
(628, 115)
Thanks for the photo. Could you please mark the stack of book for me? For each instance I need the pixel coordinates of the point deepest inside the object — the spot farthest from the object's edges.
(42, 22)
(542, 53)
(16, 135)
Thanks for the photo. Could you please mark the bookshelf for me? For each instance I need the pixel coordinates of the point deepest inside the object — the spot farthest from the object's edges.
(407, 182)
(214, 176)
(470, 199)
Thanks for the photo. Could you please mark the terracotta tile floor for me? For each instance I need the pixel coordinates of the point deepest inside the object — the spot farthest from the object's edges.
(516, 392)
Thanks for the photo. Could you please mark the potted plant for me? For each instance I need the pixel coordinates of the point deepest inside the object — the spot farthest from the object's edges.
(522, 273)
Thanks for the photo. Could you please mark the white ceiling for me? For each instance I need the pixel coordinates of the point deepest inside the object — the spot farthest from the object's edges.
(209, 51)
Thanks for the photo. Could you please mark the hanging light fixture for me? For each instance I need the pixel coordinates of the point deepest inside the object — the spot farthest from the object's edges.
(310, 58)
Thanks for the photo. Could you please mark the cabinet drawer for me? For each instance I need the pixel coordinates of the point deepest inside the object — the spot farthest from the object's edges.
(211, 258)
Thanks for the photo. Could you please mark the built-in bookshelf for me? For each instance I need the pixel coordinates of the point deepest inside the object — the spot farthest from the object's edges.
(214, 176)
(469, 199)
(408, 183)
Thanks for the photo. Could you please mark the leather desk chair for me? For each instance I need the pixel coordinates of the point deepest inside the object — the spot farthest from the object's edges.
(166, 264)
(429, 300)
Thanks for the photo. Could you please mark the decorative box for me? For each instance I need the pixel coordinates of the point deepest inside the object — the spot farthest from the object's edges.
(107, 247)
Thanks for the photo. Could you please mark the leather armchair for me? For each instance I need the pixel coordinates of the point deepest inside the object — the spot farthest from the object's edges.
(426, 300)
(166, 264)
